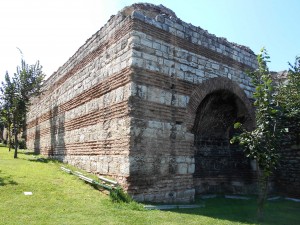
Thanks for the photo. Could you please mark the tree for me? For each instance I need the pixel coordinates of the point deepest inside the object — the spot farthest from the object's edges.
(289, 94)
(263, 143)
(26, 82)
(8, 90)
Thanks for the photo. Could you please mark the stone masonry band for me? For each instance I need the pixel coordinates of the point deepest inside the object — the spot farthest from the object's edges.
(124, 104)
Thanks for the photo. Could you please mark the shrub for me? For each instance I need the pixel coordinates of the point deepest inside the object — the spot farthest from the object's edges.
(118, 195)
(22, 144)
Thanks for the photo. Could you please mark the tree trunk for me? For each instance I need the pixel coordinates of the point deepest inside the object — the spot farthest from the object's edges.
(16, 142)
(9, 138)
(6, 136)
(263, 181)
(2, 134)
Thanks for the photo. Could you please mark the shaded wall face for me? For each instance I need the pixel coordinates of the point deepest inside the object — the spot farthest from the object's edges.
(287, 175)
(219, 166)
(161, 161)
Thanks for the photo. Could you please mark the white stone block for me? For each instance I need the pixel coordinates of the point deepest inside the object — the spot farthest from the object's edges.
(182, 168)
(191, 168)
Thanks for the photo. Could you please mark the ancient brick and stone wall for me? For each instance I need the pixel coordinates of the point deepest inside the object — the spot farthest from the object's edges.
(287, 176)
(150, 100)
(176, 67)
(82, 117)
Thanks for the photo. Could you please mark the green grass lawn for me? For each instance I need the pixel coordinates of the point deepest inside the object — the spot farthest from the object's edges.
(61, 198)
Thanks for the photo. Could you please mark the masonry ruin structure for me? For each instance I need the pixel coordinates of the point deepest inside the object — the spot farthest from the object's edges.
(150, 100)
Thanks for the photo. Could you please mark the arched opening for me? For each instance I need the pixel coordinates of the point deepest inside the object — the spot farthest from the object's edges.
(214, 106)
(219, 166)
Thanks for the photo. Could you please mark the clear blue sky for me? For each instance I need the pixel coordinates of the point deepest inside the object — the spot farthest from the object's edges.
(52, 31)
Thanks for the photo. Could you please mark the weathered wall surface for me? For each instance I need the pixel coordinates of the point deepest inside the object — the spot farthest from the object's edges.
(83, 117)
(127, 104)
(287, 176)
(170, 60)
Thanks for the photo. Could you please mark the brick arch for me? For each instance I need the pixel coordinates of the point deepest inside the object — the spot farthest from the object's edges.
(211, 85)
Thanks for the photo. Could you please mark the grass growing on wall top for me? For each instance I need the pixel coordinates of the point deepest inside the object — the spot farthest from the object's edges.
(60, 198)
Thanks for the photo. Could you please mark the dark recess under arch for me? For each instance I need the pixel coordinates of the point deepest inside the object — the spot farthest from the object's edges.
(219, 166)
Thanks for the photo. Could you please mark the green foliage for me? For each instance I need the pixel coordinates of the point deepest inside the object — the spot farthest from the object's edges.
(21, 144)
(8, 105)
(16, 92)
(28, 81)
(262, 143)
(289, 94)
(118, 195)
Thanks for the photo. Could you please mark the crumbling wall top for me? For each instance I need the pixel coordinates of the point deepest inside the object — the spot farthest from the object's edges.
(149, 10)
(162, 17)
(155, 12)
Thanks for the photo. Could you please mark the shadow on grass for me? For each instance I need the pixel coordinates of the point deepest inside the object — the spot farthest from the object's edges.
(244, 211)
(44, 160)
(36, 157)
(6, 180)
(24, 152)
